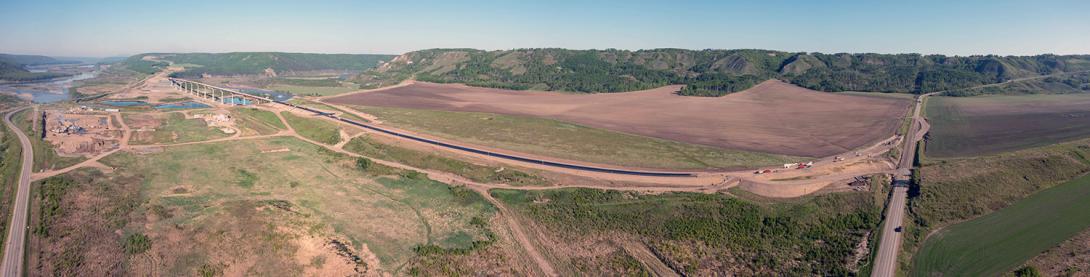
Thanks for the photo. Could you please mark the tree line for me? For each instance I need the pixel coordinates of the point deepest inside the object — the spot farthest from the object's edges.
(718, 72)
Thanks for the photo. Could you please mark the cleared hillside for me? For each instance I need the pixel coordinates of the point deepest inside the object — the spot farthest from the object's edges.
(713, 72)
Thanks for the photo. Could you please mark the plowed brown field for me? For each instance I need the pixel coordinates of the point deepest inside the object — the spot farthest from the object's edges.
(773, 117)
(983, 125)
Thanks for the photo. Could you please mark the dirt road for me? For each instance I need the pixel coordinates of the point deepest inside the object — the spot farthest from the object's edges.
(12, 265)
(641, 253)
(543, 264)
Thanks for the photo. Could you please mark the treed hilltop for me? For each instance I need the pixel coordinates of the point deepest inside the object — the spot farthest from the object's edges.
(718, 72)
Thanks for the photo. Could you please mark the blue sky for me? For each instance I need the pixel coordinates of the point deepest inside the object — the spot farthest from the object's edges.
(112, 28)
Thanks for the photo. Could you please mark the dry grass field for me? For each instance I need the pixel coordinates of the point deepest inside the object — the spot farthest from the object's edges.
(175, 127)
(773, 117)
(277, 206)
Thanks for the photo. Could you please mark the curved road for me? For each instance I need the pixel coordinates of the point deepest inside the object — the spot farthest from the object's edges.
(12, 265)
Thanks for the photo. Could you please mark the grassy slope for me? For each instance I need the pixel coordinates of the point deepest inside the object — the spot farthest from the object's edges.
(956, 190)
(952, 133)
(703, 234)
(326, 108)
(314, 129)
(1001, 241)
(261, 122)
(371, 148)
(568, 141)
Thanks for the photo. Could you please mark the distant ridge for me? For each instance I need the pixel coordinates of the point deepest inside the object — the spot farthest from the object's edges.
(238, 63)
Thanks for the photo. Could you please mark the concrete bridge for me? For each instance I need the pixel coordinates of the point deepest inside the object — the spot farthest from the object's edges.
(220, 95)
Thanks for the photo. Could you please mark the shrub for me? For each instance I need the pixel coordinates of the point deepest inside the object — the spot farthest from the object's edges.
(137, 243)
(363, 163)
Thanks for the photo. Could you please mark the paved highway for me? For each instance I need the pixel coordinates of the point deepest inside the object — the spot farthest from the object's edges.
(12, 266)
(885, 263)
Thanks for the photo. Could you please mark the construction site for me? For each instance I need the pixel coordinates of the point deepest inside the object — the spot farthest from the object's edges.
(80, 131)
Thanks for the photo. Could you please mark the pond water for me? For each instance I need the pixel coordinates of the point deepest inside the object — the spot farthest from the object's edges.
(124, 103)
(237, 101)
(182, 105)
(274, 95)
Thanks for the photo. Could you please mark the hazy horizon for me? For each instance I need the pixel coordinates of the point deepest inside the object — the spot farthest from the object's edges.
(123, 28)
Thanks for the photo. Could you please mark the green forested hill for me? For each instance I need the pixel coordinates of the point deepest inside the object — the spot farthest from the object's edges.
(257, 62)
(716, 72)
(31, 60)
(1074, 82)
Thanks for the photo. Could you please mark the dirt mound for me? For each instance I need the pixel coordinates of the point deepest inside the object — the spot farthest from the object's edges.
(772, 117)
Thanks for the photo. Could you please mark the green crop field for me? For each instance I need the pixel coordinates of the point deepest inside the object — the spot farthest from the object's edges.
(981, 125)
(998, 242)
(313, 128)
(568, 141)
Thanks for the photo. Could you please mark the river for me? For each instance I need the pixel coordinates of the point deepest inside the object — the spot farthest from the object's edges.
(52, 90)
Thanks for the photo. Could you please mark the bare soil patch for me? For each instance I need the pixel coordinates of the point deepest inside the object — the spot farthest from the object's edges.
(78, 132)
(773, 117)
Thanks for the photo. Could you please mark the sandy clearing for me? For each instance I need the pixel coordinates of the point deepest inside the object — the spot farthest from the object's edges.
(772, 117)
